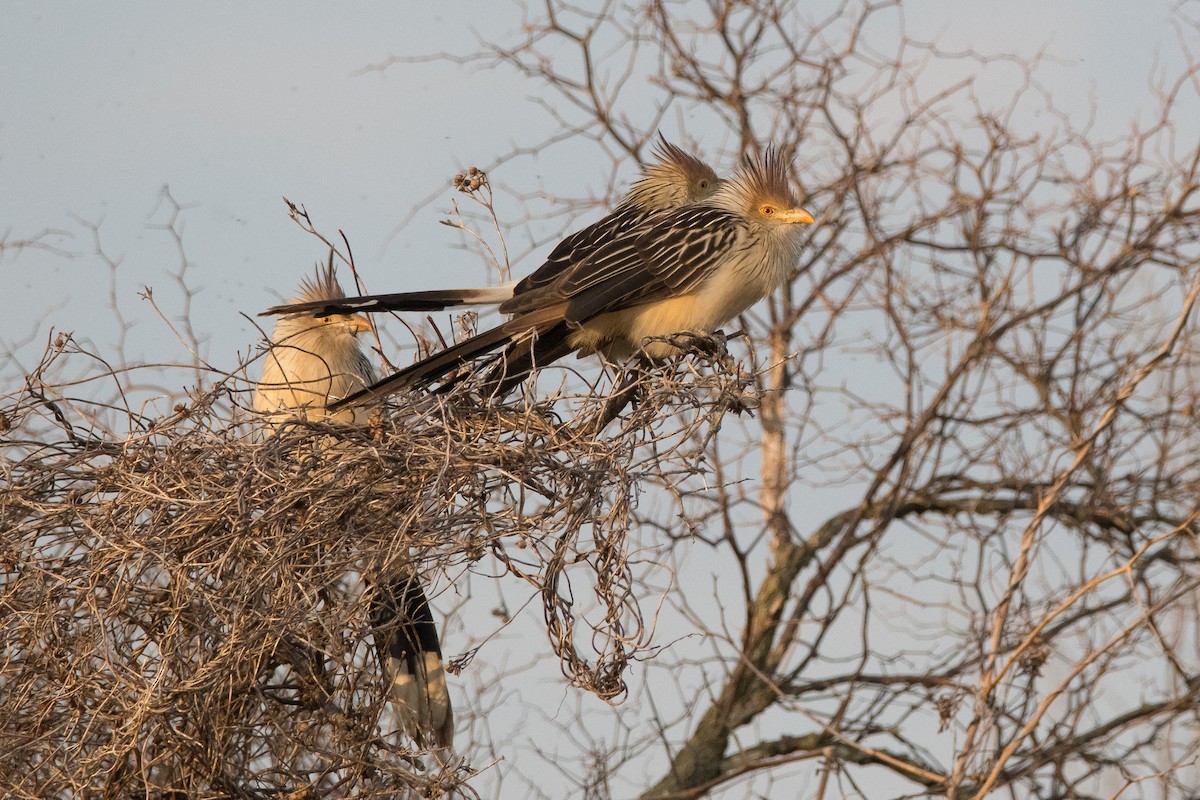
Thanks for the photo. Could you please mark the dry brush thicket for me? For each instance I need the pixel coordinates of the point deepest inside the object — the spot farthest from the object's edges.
(186, 602)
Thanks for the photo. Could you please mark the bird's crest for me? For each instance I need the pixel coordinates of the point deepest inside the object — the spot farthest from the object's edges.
(676, 160)
(677, 179)
(322, 286)
(768, 176)
(765, 178)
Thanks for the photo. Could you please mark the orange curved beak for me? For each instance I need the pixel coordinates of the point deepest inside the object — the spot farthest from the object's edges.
(796, 216)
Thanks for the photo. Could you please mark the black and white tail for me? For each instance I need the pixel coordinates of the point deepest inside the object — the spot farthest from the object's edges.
(433, 300)
(411, 654)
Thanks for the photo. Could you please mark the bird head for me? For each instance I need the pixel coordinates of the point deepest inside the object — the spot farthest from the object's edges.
(324, 286)
(761, 191)
(313, 360)
(677, 179)
(353, 324)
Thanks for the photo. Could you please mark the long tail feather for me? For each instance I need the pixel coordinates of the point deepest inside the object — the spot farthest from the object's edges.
(430, 369)
(411, 653)
(434, 300)
(524, 356)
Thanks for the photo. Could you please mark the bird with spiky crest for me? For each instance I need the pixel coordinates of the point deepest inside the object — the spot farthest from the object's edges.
(690, 269)
(313, 361)
(310, 362)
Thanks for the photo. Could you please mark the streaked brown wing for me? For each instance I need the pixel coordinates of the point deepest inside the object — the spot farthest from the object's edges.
(672, 256)
(582, 243)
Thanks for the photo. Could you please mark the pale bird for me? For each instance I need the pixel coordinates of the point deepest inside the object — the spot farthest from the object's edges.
(690, 269)
(311, 361)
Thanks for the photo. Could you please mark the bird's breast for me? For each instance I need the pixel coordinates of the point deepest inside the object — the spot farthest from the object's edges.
(620, 333)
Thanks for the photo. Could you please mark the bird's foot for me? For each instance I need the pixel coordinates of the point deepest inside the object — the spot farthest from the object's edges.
(714, 345)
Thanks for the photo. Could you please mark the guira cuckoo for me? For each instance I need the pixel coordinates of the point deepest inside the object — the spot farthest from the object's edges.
(310, 361)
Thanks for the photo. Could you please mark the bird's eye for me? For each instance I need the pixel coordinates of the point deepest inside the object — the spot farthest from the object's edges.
(703, 184)
(326, 320)
(767, 211)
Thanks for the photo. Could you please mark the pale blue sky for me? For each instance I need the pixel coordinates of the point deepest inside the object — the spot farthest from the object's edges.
(234, 105)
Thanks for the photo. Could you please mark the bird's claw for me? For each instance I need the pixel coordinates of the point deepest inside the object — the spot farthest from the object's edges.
(712, 345)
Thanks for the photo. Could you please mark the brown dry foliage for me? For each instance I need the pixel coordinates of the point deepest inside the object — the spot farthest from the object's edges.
(183, 608)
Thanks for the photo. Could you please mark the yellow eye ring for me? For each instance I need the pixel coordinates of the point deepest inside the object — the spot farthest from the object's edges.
(767, 211)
